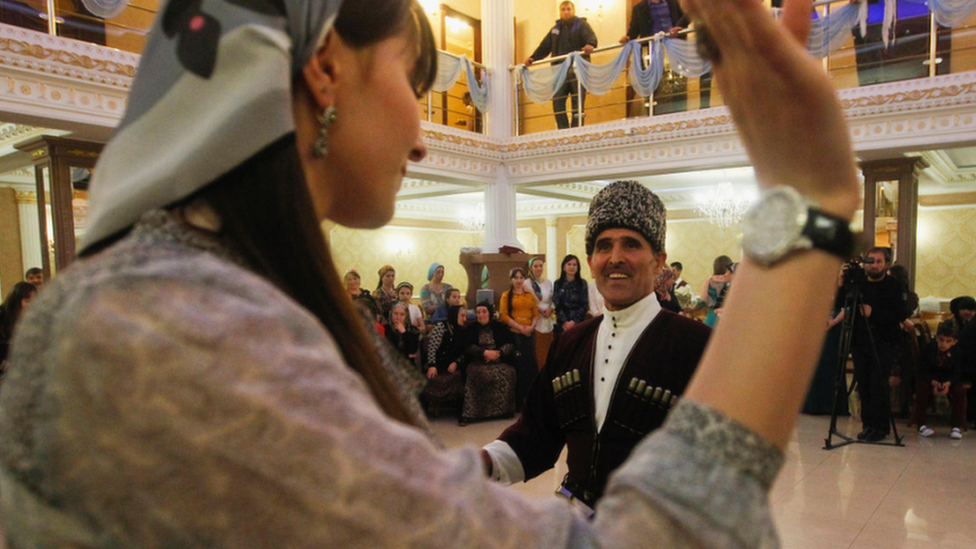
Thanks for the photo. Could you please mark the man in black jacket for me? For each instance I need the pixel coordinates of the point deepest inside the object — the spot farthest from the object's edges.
(650, 17)
(884, 308)
(570, 34)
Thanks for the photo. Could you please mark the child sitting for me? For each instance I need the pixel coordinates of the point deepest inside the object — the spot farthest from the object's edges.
(939, 375)
(404, 295)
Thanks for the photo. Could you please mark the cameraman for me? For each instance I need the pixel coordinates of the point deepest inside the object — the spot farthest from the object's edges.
(883, 310)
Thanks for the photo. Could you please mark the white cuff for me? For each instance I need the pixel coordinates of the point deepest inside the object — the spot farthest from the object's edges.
(506, 468)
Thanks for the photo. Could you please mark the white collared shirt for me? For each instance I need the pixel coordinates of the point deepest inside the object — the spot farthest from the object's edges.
(616, 337)
(618, 333)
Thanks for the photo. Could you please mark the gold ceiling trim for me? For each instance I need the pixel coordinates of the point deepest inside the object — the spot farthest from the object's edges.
(64, 57)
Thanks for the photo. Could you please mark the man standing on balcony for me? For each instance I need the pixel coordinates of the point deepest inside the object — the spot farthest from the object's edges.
(650, 17)
(570, 34)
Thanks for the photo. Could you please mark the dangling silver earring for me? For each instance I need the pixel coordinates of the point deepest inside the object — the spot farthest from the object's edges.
(326, 119)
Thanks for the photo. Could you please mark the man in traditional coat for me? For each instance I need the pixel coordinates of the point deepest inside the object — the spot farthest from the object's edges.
(610, 380)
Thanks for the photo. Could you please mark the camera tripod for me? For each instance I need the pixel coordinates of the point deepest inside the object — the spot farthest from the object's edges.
(853, 300)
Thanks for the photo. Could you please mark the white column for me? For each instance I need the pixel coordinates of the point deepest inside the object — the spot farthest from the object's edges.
(498, 51)
(500, 224)
(497, 23)
(552, 259)
(30, 230)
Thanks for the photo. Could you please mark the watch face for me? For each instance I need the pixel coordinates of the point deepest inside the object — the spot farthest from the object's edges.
(772, 226)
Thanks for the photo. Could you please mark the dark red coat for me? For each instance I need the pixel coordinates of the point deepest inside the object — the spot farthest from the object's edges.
(665, 355)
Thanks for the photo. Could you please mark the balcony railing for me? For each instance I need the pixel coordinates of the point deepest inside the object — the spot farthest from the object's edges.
(920, 48)
(125, 30)
(455, 106)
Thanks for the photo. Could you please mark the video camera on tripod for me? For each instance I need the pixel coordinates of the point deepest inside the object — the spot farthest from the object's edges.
(854, 273)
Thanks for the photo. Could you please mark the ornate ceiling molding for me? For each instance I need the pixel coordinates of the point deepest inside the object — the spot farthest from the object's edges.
(59, 82)
(944, 171)
(30, 50)
(947, 200)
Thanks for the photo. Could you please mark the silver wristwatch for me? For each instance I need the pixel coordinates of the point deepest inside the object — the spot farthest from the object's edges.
(782, 222)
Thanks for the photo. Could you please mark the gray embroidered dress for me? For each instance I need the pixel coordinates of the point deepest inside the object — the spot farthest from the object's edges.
(162, 395)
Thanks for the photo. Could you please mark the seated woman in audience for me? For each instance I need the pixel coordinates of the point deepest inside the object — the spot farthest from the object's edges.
(404, 337)
(940, 375)
(452, 297)
(432, 293)
(229, 394)
(404, 295)
(570, 295)
(489, 386)
(714, 286)
(13, 305)
(362, 298)
(541, 288)
(963, 309)
(385, 293)
(665, 291)
(445, 357)
(520, 313)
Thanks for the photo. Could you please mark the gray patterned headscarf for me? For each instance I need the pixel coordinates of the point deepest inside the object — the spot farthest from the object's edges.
(213, 88)
(627, 205)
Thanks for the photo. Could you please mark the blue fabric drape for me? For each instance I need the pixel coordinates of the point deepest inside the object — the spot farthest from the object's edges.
(952, 13)
(643, 79)
(598, 79)
(541, 84)
(449, 70)
(829, 33)
(685, 59)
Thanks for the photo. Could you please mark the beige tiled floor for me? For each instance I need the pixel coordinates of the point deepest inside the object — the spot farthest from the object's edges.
(860, 496)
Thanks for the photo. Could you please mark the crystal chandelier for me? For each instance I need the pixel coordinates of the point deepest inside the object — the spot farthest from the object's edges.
(722, 206)
(473, 219)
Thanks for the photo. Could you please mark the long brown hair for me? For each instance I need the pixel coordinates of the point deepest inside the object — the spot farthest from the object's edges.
(267, 215)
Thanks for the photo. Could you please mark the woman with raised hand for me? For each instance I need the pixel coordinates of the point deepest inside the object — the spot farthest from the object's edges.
(230, 394)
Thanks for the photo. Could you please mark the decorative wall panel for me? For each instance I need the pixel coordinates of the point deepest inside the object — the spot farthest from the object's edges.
(368, 250)
(946, 254)
(696, 244)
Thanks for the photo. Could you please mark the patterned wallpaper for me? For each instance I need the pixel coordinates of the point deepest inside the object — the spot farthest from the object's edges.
(946, 261)
(368, 250)
(946, 252)
(696, 243)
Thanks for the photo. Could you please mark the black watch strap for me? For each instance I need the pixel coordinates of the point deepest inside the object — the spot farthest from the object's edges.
(829, 233)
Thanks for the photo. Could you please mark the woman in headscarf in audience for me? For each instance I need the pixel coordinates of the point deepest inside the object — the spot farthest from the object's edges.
(404, 295)
(963, 309)
(404, 336)
(541, 288)
(385, 293)
(230, 395)
(489, 387)
(432, 294)
(445, 357)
